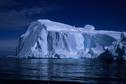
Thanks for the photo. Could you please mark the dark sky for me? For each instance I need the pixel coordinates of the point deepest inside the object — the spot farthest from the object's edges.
(16, 15)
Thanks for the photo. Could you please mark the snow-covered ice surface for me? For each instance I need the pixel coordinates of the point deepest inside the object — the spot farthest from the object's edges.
(49, 39)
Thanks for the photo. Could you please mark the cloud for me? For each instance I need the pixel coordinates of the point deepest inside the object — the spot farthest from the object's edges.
(8, 45)
(7, 3)
(12, 19)
(15, 19)
(17, 14)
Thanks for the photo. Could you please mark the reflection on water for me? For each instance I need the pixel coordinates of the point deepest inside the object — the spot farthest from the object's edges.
(80, 70)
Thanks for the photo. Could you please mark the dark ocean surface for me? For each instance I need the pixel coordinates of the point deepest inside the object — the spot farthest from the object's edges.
(75, 70)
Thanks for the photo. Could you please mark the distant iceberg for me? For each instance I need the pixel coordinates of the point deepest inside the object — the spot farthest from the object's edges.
(49, 39)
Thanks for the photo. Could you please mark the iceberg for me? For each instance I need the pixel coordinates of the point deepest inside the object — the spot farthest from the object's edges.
(48, 39)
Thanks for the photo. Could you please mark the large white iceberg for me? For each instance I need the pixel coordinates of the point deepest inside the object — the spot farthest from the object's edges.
(49, 39)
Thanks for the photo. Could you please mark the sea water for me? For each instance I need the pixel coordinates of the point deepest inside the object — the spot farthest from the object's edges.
(78, 70)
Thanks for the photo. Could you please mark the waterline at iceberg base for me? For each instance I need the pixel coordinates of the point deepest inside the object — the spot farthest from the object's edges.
(49, 39)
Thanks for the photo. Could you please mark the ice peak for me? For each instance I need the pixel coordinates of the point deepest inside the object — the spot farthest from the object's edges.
(44, 20)
(89, 27)
(55, 26)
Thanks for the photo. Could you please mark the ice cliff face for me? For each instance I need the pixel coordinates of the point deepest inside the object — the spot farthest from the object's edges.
(117, 51)
(48, 39)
